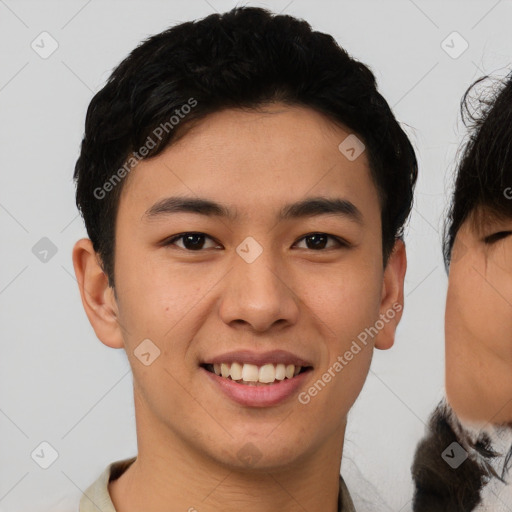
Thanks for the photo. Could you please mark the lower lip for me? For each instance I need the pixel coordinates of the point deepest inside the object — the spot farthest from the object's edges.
(258, 396)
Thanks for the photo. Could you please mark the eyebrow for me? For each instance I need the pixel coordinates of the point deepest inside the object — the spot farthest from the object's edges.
(310, 207)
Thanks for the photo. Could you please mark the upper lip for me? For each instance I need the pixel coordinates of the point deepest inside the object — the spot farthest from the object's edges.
(258, 359)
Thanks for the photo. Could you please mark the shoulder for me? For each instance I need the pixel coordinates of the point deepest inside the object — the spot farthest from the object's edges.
(97, 494)
(345, 503)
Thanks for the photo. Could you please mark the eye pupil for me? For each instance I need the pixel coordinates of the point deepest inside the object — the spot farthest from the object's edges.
(194, 242)
(315, 238)
(194, 237)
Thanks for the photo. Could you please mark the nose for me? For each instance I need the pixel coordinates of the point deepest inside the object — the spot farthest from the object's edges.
(259, 295)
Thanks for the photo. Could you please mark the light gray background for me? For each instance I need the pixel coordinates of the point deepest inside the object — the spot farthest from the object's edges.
(58, 383)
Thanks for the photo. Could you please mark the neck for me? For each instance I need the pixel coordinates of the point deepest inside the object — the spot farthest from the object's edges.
(169, 471)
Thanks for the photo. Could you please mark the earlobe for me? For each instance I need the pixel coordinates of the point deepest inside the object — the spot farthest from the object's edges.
(392, 301)
(97, 296)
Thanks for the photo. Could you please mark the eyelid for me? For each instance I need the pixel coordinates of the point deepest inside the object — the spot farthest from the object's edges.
(495, 237)
(171, 240)
(340, 241)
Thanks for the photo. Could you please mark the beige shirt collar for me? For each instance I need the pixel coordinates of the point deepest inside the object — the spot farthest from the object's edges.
(97, 498)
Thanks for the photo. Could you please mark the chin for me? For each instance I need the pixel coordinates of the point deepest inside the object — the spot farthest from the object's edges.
(262, 454)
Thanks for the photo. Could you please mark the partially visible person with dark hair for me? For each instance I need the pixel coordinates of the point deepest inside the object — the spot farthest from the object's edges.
(465, 461)
(245, 188)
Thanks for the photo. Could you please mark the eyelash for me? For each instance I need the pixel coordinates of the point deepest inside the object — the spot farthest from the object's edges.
(342, 243)
(496, 236)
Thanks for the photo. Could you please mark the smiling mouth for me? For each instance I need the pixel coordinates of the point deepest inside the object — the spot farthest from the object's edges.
(253, 375)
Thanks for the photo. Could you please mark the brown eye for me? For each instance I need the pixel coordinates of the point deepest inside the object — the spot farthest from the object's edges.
(318, 241)
(192, 242)
(496, 236)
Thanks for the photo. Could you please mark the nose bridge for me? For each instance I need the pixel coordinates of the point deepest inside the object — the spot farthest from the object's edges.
(255, 292)
(261, 275)
(256, 258)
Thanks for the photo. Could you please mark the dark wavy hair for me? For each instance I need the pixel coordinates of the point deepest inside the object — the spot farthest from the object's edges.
(244, 58)
(483, 179)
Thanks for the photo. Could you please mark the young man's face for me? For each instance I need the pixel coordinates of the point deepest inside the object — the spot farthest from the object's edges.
(252, 284)
(478, 324)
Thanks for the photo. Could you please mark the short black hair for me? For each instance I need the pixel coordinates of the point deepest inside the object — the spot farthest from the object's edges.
(244, 58)
(483, 178)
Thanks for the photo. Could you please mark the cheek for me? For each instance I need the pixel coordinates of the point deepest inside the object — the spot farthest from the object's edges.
(479, 309)
(496, 301)
(349, 299)
(155, 294)
(347, 308)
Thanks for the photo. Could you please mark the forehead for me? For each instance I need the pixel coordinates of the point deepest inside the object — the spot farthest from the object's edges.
(484, 218)
(252, 158)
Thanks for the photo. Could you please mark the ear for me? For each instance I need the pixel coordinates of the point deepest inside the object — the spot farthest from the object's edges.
(392, 300)
(98, 297)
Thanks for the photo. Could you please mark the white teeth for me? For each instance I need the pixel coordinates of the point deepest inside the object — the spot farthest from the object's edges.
(224, 369)
(236, 371)
(250, 373)
(280, 371)
(266, 374)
